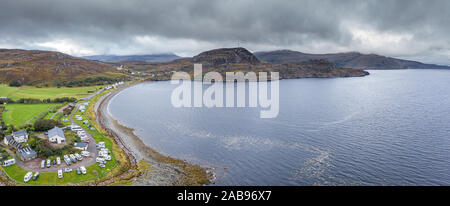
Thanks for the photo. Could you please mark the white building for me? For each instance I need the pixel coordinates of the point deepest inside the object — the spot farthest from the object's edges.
(20, 136)
(56, 135)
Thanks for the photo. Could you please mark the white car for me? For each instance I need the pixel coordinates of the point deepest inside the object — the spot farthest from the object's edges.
(100, 160)
(85, 153)
(108, 158)
(58, 160)
(67, 170)
(28, 177)
(60, 174)
(72, 157)
(106, 150)
(83, 170)
(102, 154)
(78, 156)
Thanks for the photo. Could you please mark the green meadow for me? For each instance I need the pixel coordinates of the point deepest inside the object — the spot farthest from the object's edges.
(16, 93)
(18, 114)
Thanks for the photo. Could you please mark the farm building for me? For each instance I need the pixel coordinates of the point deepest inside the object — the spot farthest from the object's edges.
(26, 154)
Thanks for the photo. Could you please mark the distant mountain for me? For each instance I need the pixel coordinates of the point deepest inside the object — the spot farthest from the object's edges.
(347, 60)
(35, 67)
(240, 59)
(144, 58)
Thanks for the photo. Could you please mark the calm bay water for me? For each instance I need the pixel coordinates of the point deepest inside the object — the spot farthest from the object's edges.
(389, 128)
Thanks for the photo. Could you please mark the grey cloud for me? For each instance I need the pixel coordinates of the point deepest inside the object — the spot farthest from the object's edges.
(111, 26)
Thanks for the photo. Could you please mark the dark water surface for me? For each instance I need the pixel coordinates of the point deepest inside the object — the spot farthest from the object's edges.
(389, 128)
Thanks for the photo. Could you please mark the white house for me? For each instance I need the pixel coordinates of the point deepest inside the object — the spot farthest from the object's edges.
(56, 135)
(7, 139)
(20, 136)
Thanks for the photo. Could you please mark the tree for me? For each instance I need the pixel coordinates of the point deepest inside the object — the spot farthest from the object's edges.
(46, 124)
(15, 83)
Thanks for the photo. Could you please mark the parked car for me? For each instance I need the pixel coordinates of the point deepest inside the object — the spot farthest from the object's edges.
(42, 164)
(83, 170)
(60, 174)
(58, 160)
(67, 169)
(72, 157)
(102, 165)
(54, 162)
(68, 162)
(35, 176)
(99, 160)
(85, 153)
(48, 163)
(78, 156)
(108, 157)
(78, 171)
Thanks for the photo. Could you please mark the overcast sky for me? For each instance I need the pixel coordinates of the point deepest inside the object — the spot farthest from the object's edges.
(418, 30)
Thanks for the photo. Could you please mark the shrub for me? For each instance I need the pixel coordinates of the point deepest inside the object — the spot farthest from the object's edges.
(15, 83)
(46, 124)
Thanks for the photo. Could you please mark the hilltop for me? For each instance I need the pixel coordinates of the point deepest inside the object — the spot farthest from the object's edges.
(33, 67)
(240, 59)
(223, 56)
(348, 60)
(145, 58)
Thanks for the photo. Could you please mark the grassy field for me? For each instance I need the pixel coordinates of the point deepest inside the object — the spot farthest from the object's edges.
(51, 178)
(18, 114)
(16, 93)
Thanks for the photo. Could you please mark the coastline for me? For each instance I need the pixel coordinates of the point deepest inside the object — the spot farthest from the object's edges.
(163, 170)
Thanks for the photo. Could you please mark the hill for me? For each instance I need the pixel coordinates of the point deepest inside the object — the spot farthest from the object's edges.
(144, 58)
(240, 59)
(348, 60)
(34, 67)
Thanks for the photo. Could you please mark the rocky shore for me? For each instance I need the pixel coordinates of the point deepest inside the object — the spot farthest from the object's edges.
(163, 170)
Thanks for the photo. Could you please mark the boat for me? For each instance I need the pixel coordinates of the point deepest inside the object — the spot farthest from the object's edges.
(28, 177)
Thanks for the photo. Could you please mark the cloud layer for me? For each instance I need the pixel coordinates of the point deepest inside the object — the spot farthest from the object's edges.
(401, 28)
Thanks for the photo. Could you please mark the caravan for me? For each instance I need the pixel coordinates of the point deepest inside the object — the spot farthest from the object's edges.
(9, 162)
(28, 177)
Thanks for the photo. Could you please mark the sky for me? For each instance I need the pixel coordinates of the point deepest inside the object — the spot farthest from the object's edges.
(410, 29)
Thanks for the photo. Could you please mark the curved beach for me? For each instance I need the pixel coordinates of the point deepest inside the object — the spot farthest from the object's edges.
(163, 170)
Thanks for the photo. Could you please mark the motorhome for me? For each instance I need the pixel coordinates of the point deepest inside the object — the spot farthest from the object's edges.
(28, 177)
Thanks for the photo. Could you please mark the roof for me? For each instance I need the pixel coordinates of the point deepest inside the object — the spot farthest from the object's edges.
(80, 144)
(56, 132)
(8, 138)
(27, 152)
(20, 133)
(15, 144)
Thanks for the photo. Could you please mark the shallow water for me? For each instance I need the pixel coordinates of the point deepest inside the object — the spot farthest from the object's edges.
(389, 128)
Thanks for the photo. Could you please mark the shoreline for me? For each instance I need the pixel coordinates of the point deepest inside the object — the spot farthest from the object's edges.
(164, 170)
